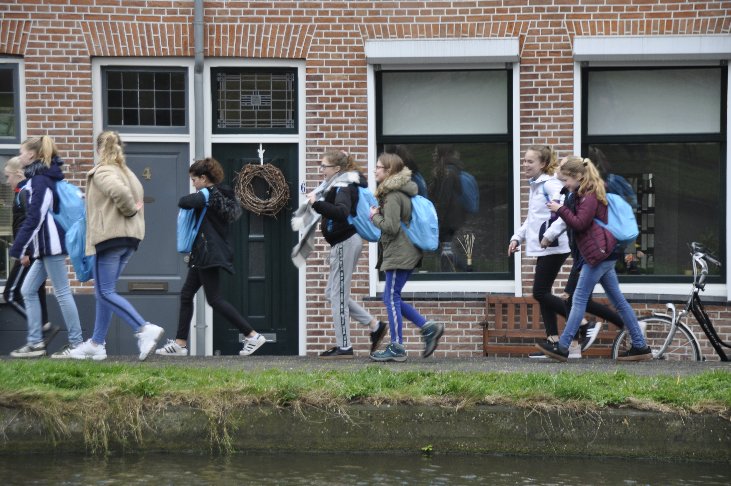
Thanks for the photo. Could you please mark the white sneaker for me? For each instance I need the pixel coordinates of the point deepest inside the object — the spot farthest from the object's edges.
(251, 345)
(147, 339)
(89, 350)
(65, 352)
(172, 348)
(574, 350)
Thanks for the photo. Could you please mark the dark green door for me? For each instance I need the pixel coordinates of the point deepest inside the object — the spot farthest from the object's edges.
(264, 288)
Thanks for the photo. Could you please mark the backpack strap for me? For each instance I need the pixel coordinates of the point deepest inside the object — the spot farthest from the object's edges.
(206, 195)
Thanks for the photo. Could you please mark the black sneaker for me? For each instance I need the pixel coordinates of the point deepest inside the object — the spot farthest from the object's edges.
(553, 351)
(377, 336)
(49, 332)
(636, 354)
(337, 353)
(590, 333)
(431, 332)
(539, 354)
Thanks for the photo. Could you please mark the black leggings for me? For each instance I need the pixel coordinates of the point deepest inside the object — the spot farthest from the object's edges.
(547, 268)
(208, 278)
(593, 308)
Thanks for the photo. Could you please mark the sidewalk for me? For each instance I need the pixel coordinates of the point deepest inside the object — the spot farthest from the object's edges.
(486, 364)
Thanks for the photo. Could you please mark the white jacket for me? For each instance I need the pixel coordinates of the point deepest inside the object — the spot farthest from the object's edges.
(538, 214)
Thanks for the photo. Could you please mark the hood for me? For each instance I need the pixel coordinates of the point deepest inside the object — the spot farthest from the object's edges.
(224, 202)
(53, 172)
(363, 182)
(398, 182)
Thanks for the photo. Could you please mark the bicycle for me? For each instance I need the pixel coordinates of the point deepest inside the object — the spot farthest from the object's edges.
(671, 339)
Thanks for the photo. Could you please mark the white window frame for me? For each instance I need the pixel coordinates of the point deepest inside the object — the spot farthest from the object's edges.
(21, 100)
(445, 54)
(649, 51)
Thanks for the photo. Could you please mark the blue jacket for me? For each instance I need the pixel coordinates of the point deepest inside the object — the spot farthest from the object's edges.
(39, 229)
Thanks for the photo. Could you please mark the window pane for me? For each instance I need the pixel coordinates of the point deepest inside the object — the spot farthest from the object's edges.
(470, 242)
(255, 100)
(654, 101)
(445, 102)
(679, 192)
(7, 103)
(145, 99)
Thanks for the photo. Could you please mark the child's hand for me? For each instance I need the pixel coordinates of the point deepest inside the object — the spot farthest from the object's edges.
(553, 206)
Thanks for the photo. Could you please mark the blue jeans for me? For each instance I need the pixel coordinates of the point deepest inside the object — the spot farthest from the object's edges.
(395, 307)
(53, 266)
(107, 269)
(591, 275)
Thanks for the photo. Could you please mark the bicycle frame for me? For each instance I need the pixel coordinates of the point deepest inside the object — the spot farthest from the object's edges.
(695, 305)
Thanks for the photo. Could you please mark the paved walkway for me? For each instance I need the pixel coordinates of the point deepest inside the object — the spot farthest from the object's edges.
(489, 364)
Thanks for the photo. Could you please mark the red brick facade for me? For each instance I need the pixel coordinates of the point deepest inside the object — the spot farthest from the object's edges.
(58, 39)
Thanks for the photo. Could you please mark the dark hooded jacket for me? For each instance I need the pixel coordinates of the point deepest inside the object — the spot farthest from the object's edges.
(212, 246)
(39, 230)
(338, 204)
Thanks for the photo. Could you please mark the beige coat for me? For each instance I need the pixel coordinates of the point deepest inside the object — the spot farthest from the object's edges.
(112, 193)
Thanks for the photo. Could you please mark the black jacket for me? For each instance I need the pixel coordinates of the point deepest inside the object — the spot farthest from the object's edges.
(338, 204)
(212, 247)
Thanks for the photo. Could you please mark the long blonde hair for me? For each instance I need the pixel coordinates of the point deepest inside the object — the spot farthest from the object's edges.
(109, 146)
(584, 171)
(44, 147)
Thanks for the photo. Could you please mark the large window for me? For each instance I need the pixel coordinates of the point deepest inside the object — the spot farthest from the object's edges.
(9, 104)
(153, 99)
(662, 129)
(453, 129)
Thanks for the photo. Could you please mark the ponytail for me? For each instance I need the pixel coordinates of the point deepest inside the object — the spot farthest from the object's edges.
(109, 146)
(43, 147)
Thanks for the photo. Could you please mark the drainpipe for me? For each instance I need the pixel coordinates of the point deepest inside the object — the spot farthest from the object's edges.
(200, 313)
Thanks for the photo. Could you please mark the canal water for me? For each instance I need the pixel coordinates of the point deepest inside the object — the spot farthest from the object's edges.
(351, 469)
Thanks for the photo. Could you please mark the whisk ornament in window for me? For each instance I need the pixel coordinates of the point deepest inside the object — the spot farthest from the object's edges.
(267, 177)
(467, 242)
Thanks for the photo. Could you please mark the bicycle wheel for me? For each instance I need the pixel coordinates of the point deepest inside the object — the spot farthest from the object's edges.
(682, 347)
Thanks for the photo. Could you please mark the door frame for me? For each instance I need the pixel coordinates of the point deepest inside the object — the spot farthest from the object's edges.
(266, 139)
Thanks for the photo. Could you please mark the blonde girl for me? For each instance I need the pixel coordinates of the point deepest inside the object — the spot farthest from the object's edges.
(115, 227)
(41, 233)
(598, 248)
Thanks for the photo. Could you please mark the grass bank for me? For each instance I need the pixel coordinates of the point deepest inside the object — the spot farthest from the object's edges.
(116, 401)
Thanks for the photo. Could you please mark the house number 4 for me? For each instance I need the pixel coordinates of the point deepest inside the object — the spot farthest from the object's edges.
(147, 173)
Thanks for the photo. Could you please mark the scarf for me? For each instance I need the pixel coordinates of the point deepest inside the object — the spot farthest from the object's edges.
(305, 219)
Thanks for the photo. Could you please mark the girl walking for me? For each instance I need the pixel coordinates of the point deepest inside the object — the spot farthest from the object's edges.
(15, 176)
(346, 245)
(115, 226)
(539, 165)
(598, 249)
(43, 169)
(211, 253)
(397, 256)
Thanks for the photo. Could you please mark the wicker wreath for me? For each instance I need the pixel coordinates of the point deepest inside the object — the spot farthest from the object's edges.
(277, 190)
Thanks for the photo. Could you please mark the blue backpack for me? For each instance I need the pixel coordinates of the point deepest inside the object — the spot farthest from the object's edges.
(188, 226)
(362, 218)
(621, 220)
(423, 229)
(71, 216)
(470, 197)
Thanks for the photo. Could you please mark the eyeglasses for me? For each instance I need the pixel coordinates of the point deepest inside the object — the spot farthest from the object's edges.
(325, 166)
(379, 167)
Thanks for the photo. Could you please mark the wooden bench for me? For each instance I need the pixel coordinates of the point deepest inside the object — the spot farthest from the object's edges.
(513, 326)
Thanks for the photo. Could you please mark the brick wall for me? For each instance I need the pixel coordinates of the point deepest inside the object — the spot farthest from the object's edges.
(58, 39)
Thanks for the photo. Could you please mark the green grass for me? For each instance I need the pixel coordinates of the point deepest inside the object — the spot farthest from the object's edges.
(115, 402)
(75, 380)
